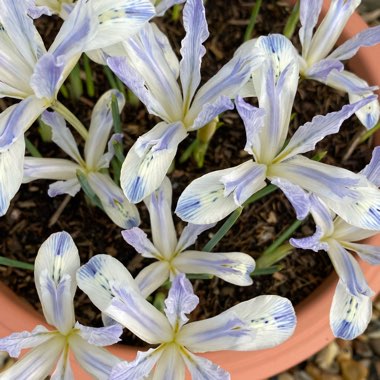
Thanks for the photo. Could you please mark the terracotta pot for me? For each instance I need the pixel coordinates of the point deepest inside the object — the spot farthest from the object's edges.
(313, 329)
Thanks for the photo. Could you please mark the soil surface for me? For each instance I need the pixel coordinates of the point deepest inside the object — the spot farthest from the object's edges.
(33, 215)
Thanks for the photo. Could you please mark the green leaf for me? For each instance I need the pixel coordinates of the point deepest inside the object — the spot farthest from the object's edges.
(15, 263)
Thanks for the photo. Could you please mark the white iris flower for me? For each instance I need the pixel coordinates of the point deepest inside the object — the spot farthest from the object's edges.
(56, 264)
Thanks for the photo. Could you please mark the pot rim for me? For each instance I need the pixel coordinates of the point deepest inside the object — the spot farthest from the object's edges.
(313, 329)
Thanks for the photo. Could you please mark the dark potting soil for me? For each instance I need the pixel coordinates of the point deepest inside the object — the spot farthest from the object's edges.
(33, 215)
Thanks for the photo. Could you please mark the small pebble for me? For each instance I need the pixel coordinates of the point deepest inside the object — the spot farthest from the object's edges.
(353, 370)
(363, 349)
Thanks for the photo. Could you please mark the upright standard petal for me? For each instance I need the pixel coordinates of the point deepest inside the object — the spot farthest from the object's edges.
(11, 173)
(100, 127)
(149, 159)
(321, 70)
(100, 276)
(262, 322)
(253, 119)
(54, 275)
(181, 300)
(368, 253)
(192, 50)
(95, 360)
(330, 29)
(233, 267)
(349, 314)
(372, 170)
(62, 135)
(368, 37)
(214, 96)
(309, 12)
(138, 239)
(100, 336)
(159, 204)
(308, 135)
(189, 235)
(115, 205)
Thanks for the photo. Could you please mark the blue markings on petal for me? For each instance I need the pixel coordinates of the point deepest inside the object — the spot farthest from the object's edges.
(187, 208)
(181, 300)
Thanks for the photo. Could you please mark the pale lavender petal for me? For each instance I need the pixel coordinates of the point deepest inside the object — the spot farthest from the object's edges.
(78, 29)
(11, 173)
(349, 195)
(313, 242)
(95, 360)
(211, 110)
(245, 180)
(48, 168)
(298, 197)
(367, 37)
(368, 253)
(161, 220)
(105, 159)
(308, 135)
(181, 300)
(212, 98)
(309, 12)
(204, 200)
(18, 118)
(202, 368)
(368, 115)
(100, 276)
(170, 365)
(233, 267)
(115, 204)
(46, 76)
(14, 343)
(348, 270)
(37, 363)
(100, 127)
(190, 234)
(62, 135)
(149, 159)
(320, 70)
(349, 314)
(118, 20)
(138, 239)
(136, 82)
(192, 50)
(262, 322)
(149, 58)
(164, 5)
(21, 30)
(63, 370)
(100, 336)
(330, 29)
(322, 215)
(253, 119)
(134, 312)
(152, 277)
(139, 369)
(372, 170)
(37, 11)
(349, 82)
(70, 187)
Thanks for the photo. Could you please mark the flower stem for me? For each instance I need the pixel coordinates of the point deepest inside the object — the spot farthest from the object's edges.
(15, 263)
(291, 24)
(70, 118)
(277, 250)
(369, 133)
(31, 148)
(89, 81)
(223, 230)
(252, 20)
